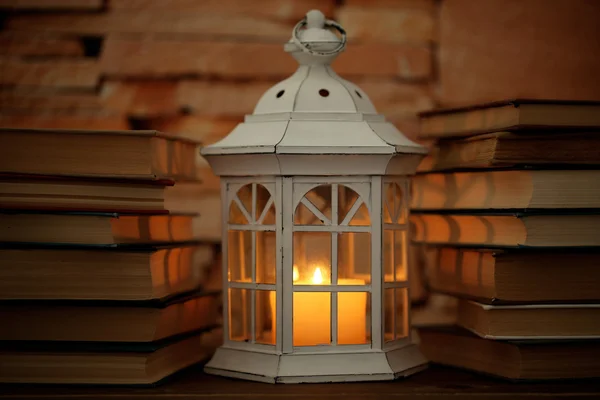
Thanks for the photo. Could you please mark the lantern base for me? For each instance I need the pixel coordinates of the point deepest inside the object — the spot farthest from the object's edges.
(326, 367)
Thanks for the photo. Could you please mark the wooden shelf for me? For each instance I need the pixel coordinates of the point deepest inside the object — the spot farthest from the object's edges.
(434, 383)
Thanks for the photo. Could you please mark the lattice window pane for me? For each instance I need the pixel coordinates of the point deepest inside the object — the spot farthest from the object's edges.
(394, 208)
(264, 206)
(361, 218)
(239, 256)
(354, 258)
(352, 318)
(401, 317)
(388, 255)
(389, 202)
(312, 318)
(346, 199)
(245, 196)
(269, 216)
(400, 206)
(265, 257)
(388, 315)
(264, 324)
(320, 197)
(239, 315)
(236, 216)
(400, 256)
(312, 258)
(304, 216)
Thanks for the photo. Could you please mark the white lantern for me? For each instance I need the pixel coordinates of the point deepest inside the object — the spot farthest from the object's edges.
(314, 187)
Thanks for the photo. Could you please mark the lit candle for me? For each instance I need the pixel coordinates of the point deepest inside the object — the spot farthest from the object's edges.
(312, 313)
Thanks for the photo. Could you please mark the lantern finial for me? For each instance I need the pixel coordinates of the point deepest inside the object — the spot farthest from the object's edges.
(315, 19)
(313, 42)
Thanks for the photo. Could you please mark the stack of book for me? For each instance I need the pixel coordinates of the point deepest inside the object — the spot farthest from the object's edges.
(506, 214)
(100, 283)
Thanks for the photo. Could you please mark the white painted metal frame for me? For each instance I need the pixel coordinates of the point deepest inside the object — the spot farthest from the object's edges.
(371, 192)
(229, 192)
(301, 186)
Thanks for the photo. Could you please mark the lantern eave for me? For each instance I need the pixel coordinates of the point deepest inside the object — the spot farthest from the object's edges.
(328, 133)
(314, 164)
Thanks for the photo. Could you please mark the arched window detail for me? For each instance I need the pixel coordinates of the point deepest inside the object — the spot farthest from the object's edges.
(315, 207)
(332, 264)
(252, 204)
(251, 263)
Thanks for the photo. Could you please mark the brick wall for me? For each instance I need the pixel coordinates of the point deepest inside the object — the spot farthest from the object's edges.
(195, 67)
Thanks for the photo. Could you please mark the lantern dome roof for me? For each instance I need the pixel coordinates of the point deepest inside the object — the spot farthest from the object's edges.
(315, 111)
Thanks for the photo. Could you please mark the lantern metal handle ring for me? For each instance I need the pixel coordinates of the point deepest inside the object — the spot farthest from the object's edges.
(306, 47)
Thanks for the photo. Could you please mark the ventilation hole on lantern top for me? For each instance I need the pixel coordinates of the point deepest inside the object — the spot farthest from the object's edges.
(280, 93)
(324, 92)
(358, 93)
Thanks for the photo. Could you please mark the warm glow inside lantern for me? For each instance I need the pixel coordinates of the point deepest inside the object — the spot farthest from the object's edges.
(315, 198)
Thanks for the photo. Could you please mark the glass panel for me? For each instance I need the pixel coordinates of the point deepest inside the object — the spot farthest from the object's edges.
(245, 196)
(312, 318)
(239, 315)
(312, 258)
(400, 255)
(265, 316)
(388, 315)
(320, 197)
(346, 199)
(235, 214)
(304, 216)
(388, 255)
(401, 313)
(388, 205)
(265, 257)
(270, 216)
(361, 218)
(352, 318)
(239, 250)
(262, 197)
(354, 258)
(400, 206)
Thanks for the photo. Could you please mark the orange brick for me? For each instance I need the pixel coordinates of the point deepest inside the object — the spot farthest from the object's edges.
(409, 126)
(227, 99)
(494, 49)
(49, 103)
(165, 57)
(51, 4)
(398, 100)
(152, 21)
(64, 122)
(280, 9)
(74, 74)
(425, 5)
(385, 60)
(197, 128)
(396, 25)
(140, 98)
(20, 44)
(168, 58)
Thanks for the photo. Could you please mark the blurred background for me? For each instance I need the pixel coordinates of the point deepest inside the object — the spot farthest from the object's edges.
(195, 67)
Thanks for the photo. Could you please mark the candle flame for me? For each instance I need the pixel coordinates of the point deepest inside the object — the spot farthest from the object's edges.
(295, 274)
(317, 277)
